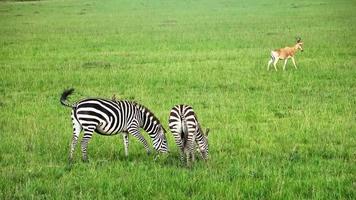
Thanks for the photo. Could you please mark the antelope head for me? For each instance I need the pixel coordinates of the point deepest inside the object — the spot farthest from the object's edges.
(299, 44)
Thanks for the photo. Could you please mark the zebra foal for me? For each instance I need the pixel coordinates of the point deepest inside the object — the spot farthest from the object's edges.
(187, 131)
(110, 117)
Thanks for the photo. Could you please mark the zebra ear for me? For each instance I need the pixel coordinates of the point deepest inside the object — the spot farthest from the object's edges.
(207, 132)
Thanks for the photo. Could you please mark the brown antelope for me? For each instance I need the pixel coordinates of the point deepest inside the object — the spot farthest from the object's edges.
(284, 54)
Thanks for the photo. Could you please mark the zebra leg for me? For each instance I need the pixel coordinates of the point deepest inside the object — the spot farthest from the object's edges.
(189, 150)
(193, 148)
(179, 143)
(126, 143)
(181, 150)
(187, 155)
(135, 132)
(88, 132)
(76, 131)
(193, 155)
(181, 153)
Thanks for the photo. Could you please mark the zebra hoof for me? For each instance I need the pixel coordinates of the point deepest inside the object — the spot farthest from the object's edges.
(148, 153)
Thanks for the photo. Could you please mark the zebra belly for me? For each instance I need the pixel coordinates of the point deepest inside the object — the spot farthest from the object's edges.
(103, 132)
(105, 129)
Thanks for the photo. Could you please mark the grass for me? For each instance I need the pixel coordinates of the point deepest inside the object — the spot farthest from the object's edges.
(274, 135)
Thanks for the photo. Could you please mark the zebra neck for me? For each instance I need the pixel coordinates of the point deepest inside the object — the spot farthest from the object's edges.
(149, 121)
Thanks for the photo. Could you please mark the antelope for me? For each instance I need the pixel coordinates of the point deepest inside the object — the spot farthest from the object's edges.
(284, 54)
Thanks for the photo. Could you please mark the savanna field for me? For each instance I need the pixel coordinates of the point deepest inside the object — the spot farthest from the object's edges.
(273, 135)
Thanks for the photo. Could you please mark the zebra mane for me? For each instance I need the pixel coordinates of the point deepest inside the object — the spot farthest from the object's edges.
(146, 110)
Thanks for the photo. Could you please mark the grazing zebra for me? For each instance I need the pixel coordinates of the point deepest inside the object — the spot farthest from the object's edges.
(109, 117)
(186, 131)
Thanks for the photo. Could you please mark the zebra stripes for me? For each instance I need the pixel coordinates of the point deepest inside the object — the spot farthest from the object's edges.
(110, 117)
(187, 131)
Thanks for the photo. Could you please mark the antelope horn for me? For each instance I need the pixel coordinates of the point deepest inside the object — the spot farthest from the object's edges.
(298, 39)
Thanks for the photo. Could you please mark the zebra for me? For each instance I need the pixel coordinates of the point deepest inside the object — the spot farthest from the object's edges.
(110, 117)
(186, 130)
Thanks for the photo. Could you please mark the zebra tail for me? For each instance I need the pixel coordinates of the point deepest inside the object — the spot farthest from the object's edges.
(64, 97)
(184, 134)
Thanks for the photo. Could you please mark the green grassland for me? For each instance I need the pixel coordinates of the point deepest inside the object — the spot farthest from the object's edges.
(274, 135)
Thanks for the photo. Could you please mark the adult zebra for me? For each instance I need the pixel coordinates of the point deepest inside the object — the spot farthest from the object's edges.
(187, 131)
(109, 117)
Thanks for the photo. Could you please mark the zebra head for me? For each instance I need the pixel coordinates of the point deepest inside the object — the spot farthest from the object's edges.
(151, 124)
(205, 149)
(160, 140)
